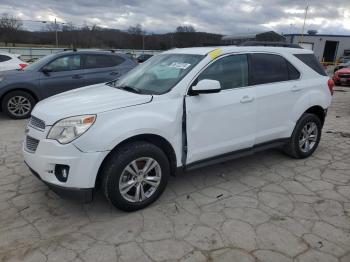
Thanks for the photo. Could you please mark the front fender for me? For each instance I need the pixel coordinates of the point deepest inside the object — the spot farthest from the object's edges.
(113, 127)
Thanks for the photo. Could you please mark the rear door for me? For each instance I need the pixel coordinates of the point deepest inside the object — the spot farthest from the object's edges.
(100, 68)
(277, 88)
(62, 74)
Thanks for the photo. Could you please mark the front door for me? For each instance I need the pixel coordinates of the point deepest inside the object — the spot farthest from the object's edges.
(63, 74)
(223, 122)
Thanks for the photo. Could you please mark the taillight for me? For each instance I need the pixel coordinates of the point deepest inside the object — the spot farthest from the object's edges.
(21, 66)
(331, 86)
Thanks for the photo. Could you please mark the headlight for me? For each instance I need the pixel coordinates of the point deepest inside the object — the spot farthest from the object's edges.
(68, 129)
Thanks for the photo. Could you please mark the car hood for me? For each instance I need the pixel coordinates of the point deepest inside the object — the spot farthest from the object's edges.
(17, 75)
(87, 100)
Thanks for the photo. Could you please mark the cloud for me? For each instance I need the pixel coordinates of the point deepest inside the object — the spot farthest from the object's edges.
(159, 16)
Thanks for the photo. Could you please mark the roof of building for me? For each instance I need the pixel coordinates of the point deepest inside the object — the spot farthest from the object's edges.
(248, 35)
(317, 35)
(233, 49)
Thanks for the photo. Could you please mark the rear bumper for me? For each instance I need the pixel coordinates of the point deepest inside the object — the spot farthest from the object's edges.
(82, 195)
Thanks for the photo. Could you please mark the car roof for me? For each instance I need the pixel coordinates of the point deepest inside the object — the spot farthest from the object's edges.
(233, 49)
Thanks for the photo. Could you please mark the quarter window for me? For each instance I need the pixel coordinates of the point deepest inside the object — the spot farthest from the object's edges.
(269, 68)
(65, 63)
(230, 71)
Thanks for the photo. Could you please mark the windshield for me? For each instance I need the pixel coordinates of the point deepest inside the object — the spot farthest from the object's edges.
(158, 75)
(39, 63)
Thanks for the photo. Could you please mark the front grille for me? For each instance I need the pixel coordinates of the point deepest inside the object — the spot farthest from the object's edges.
(31, 144)
(37, 123)
(344, 75)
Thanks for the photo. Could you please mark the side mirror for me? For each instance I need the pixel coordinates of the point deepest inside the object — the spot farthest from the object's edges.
(206, 86)
(46, 70)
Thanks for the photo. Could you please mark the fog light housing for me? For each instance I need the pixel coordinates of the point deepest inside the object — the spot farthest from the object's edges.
(61, 172)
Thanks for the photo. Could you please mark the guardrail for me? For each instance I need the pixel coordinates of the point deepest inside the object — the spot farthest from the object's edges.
(38, 52)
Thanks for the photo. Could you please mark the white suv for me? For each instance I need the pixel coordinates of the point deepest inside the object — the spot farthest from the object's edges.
(182, 109)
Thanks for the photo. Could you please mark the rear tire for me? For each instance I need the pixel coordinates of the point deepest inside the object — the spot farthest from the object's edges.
(127, 182)
(305, 137)
(18, 104)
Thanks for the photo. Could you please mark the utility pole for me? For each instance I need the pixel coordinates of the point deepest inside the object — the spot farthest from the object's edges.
(143, 42)
(302, 31)
(56, 33)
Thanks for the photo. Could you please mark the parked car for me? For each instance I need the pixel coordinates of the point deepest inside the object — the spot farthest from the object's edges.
(183, 109)
(342, 76)
(11, 62)
(143, 57)
(21, 90)
(342, 65)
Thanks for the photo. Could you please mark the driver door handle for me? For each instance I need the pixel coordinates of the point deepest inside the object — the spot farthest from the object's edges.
(295, 88)
(77, 77)
(246, 99)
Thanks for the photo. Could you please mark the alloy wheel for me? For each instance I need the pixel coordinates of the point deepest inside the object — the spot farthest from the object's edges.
(308, 137)
(140, 179)
(19, 105)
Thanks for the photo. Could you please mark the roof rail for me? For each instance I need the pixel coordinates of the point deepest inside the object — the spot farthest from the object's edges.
(265, 43)
(70, 49)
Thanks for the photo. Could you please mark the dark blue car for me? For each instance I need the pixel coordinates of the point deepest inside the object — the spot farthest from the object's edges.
(20, 90)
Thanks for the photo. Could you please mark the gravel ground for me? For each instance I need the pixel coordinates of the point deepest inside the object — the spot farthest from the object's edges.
(266, 207)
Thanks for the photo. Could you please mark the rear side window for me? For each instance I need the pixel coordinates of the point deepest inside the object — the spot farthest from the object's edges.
(268, 68)
(292, 72)
(4, 58)
(311, 61)
(101, 61)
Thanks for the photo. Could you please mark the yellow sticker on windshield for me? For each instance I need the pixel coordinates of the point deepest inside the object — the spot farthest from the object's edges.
(215, 53)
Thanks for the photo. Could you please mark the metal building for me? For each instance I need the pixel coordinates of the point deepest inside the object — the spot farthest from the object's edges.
(327, 48)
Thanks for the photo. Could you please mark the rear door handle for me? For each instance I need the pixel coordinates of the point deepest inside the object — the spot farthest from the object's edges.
(77, 77)
(247, 99)
(295, 88)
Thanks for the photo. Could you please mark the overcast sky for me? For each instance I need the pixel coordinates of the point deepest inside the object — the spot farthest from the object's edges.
(217, 16)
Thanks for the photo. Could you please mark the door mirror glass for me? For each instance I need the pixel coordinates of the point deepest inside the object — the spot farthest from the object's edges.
(206, 86)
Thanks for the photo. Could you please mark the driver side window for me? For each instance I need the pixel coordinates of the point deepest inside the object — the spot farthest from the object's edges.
(65, 63)
(231, 71)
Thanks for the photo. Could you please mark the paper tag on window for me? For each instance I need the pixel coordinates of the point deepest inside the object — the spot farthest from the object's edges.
(180, 65)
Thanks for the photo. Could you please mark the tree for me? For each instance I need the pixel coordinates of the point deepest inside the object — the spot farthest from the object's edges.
(135, 30)
(185, 29)
(9, 28)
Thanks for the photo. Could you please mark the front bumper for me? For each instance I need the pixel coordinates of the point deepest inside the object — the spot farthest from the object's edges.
(83, 195)
(83, 166)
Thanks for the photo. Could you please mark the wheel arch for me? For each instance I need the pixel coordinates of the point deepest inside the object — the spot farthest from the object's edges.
(318, 111)
(18, 89)
(157, 140)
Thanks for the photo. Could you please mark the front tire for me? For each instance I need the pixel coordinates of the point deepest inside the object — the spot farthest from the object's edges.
(135, 175)
(18, 104)
(305, 137)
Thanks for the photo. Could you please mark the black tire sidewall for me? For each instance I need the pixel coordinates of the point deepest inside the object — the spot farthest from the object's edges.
(8, 96)
(306, 118)
(115, 165)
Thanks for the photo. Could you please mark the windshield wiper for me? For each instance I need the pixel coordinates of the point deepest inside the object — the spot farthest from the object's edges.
(130, 89)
